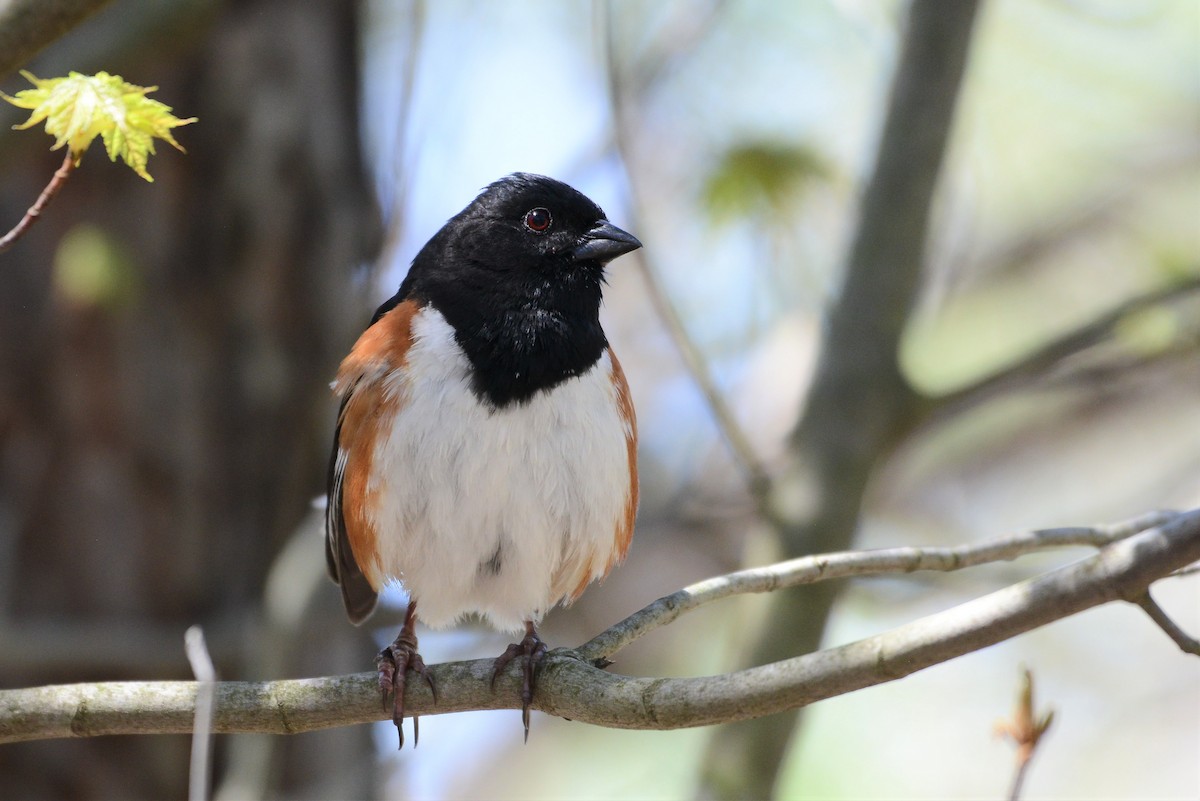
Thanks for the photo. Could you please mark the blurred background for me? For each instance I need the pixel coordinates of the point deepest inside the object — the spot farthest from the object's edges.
(166, 349)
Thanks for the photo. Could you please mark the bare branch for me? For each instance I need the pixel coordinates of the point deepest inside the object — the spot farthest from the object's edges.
(27, 26)
(847, 564)
(401, 174)
(1157, 163)
(1187, 643)
(572, 687)
(757, 478)
(1037, 363)
(677, 38)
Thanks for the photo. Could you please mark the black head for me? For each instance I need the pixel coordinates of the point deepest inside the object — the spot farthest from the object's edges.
(518, 274)
(527, 222)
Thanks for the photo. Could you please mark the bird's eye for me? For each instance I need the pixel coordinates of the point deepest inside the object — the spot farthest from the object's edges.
(538, 220)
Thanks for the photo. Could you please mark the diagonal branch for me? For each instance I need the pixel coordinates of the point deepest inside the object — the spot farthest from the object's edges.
(1037, 363)
(1104, 206)
(758, 479)
(27, 26)
(881, 562)
(1186, 642)
(572, 687)
(35, 211)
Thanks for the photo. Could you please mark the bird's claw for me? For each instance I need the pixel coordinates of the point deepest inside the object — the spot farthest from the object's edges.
(393, 664)
(531, 650)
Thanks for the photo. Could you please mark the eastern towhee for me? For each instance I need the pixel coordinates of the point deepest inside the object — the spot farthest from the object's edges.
(485, 454)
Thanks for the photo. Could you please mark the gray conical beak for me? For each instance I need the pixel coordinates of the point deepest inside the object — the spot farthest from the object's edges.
(604, 242)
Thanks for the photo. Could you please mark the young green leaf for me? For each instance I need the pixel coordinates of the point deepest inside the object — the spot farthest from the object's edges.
(79, 108)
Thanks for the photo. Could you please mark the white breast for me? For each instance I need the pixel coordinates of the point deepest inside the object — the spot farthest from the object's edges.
(495, 511)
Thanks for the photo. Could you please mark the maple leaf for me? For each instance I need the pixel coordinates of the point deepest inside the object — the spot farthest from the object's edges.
(79, 108)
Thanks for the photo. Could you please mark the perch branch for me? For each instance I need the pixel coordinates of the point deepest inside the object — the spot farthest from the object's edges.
(572, 687)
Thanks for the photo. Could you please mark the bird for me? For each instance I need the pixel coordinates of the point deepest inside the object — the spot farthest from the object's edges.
(485, 450)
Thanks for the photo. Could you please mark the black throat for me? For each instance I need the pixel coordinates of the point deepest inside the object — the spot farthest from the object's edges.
(525, 333)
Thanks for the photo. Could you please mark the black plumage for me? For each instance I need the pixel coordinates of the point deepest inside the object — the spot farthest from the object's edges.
(524, 304)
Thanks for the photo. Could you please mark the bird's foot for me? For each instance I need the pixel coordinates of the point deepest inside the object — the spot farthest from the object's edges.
(531, 649)
(393, 664)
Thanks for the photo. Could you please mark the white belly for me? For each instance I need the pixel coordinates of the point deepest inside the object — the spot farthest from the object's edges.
(494, 511)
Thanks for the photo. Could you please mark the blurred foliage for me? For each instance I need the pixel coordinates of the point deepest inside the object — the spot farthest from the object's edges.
(92, 269)
(763, 180)
(1150, 331)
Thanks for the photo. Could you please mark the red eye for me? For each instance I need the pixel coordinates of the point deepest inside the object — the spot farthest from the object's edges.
(538, 220)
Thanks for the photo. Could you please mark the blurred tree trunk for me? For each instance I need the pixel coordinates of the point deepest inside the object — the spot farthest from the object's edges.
(165, 352)
(860, 406)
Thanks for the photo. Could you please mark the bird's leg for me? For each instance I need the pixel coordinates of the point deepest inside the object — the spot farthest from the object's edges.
(531, 650)
(393, 664)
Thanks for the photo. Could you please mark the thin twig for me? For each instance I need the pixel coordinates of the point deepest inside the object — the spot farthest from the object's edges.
(678, 38)
(1018, 779)
(758, 479)
(401, 176)
(206, 677)
(1102, 208)
(1187, 643)
(35, 211)
(1036, 364)
(885, 561)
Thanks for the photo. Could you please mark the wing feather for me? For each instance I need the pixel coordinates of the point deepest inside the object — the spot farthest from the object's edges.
(366, 412)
